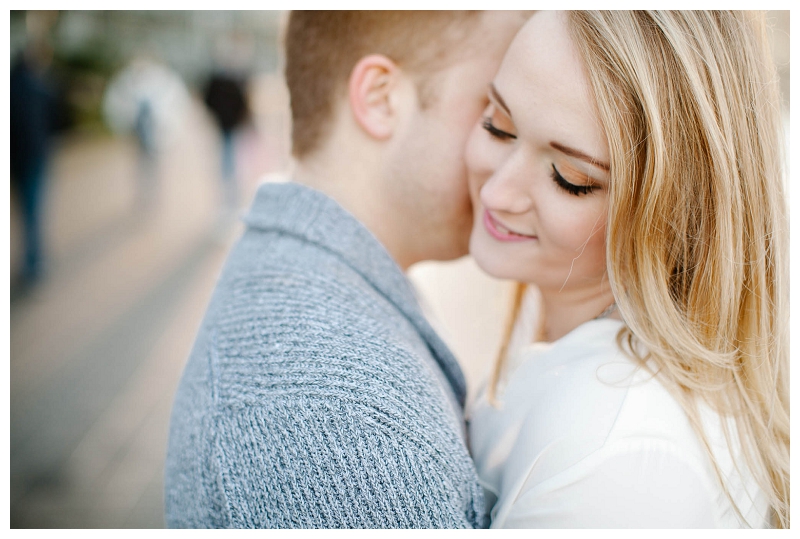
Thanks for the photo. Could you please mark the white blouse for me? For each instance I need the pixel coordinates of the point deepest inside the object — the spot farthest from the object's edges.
(584, 438)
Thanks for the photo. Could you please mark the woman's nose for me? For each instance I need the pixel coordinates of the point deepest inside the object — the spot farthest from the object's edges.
(507, 190)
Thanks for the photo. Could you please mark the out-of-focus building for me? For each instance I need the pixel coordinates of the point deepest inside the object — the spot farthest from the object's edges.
(89, 46)
(184, 39)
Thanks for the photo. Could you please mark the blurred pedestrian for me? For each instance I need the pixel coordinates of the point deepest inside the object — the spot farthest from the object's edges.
(149, 100)
(33, 121)
(224, 94)
(144, 127)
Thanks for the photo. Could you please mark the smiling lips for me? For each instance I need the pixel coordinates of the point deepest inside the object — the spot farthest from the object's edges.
(500, 232)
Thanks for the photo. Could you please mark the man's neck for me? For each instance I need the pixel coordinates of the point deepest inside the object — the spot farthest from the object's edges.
(359, 192)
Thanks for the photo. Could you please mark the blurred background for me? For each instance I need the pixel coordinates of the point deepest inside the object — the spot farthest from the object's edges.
(137, 141)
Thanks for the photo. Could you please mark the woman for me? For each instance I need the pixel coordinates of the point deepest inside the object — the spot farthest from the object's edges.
(629, 167)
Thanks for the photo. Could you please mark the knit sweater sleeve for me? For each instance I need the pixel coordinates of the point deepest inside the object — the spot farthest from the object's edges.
(305, 463)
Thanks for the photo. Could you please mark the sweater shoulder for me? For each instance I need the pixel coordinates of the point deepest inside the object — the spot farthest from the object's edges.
(312, 329)
(304, 322)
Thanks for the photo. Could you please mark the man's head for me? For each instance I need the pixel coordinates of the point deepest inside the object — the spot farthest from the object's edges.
(384, 102)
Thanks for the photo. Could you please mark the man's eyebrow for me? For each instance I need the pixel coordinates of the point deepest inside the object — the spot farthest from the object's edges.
(572, 152)
(496, 96)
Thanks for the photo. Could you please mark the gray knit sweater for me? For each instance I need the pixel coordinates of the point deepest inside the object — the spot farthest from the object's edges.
(316, 394)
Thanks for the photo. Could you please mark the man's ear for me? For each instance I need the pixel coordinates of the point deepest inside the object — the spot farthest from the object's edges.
(373, 83)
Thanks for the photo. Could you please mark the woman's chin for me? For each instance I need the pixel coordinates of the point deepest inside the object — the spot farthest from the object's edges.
(491, 263)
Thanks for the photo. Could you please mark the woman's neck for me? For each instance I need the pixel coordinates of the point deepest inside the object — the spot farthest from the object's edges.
(563, 311)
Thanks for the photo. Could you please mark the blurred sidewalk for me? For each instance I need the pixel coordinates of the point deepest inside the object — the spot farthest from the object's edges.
(97, 348)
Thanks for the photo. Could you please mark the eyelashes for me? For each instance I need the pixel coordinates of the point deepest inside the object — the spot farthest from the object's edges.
(570, 188)
(497, 133)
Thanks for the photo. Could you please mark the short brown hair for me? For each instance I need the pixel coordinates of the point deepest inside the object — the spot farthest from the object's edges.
(322, 47)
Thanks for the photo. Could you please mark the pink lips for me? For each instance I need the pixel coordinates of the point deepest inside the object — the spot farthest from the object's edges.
(500, 232)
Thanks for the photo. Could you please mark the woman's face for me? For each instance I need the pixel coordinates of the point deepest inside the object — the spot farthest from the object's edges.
(538, 166)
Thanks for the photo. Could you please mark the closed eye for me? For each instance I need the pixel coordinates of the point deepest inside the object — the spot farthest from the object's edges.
(571, 188)
(495, 132)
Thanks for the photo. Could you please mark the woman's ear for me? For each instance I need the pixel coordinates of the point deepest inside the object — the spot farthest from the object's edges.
(372, 83)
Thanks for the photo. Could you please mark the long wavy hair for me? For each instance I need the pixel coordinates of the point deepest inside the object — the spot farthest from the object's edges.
(697, 225)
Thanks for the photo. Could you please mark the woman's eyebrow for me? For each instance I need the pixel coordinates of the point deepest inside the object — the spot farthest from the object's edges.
(499, 99)
(572, 152)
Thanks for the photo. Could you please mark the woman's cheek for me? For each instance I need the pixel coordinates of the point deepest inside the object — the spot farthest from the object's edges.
(566, 223)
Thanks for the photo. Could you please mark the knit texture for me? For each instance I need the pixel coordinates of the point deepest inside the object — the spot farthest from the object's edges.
(316, 394)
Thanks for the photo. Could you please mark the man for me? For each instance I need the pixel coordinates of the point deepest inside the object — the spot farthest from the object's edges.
(317, 395)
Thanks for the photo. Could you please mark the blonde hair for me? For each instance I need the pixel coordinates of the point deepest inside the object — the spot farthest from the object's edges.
(697, 225)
